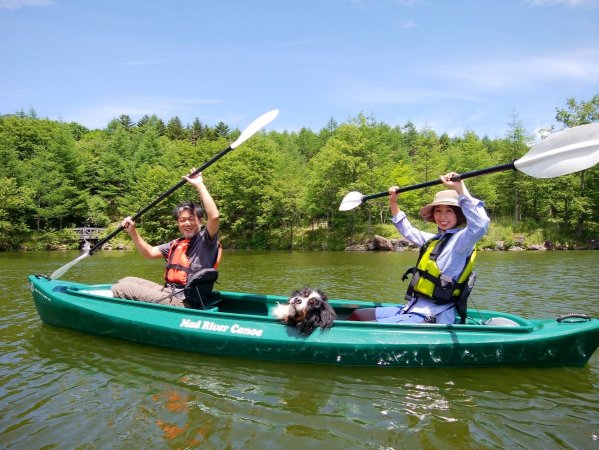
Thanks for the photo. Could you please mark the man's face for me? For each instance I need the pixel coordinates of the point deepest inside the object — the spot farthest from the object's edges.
(189, 225)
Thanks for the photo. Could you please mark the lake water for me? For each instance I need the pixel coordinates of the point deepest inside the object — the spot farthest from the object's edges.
(62, 390)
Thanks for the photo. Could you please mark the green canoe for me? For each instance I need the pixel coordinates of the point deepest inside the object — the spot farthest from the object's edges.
(242, 325)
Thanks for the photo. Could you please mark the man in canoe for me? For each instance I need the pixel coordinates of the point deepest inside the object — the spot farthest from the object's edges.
(439, 283)
(185, 257)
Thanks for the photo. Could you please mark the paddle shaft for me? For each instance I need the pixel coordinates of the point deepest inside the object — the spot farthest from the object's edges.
(463, 176)
(153, 203)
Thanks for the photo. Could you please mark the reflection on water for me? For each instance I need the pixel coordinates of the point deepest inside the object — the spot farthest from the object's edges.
(62, 389)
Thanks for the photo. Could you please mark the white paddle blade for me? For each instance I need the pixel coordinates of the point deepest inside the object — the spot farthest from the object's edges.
(568, 151)
(62, 270)
(351, 201)
(255, 126)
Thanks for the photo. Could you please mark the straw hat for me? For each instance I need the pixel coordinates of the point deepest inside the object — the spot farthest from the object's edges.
(448, 197)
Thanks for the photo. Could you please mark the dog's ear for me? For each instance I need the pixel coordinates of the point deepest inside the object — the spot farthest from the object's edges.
(323, 295)
(326, 315)
(319, 315)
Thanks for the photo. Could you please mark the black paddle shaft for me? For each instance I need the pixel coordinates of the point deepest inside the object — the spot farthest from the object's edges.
(463, 176)
(154, 202)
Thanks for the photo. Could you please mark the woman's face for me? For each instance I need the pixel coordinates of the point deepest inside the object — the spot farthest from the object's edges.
(445, 217)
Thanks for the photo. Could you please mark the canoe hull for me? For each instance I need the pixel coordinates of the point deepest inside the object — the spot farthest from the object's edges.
(242, 325)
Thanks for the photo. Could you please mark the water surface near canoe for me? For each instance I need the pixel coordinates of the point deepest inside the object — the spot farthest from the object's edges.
(62, 389)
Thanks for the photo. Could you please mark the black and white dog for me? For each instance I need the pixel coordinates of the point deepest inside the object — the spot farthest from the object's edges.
(306, 310)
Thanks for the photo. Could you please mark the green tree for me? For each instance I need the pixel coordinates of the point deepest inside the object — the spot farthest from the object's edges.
(10, 167)
(157, 224)
(148, 149)
(241, 187)
(378, 153)
(222, 130)
(426, 155)
(513, 185)
(175, 130)
(15, 207)
(143, 121)
(578, 113)
(334, 171)
(77, 130)
(126, 122)
(403, 173)
(309, 143)
(196, 131)
(575, 199)
(95, 211)
(410, 138)
(468, 154)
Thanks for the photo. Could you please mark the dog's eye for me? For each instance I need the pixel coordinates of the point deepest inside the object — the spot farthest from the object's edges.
(296, 300)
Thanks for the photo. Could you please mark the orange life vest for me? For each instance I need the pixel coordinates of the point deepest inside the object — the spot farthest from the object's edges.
(219, 255)
(178, 265)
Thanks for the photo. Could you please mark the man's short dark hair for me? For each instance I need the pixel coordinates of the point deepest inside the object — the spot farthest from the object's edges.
(189, 206)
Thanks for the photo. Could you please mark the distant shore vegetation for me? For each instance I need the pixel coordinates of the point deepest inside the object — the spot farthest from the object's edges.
(279, 190)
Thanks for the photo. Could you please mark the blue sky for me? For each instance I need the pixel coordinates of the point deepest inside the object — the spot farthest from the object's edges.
(450, 66)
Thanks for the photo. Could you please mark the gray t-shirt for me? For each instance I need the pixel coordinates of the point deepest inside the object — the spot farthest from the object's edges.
(202, 251)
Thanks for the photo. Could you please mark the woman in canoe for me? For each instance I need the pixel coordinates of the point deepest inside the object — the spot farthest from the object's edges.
(440, 278)
(186, 257)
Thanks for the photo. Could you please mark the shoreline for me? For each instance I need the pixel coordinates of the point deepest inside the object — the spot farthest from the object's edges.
(375, 243)
(380, 243)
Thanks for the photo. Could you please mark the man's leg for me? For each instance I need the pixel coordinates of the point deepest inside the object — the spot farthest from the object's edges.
(134, 288)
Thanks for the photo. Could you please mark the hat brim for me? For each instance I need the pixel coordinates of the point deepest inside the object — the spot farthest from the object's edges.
(426, 212)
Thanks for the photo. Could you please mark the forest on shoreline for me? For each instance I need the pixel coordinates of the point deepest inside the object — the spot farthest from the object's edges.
(279, 190)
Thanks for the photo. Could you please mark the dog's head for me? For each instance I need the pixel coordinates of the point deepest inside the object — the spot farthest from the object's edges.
(306, 309)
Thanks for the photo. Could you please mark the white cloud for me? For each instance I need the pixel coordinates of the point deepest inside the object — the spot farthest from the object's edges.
(407, 95)
(572, 3)
(407, 24)
(473, 80)
(579, 66)
(18, 4)
(145, 62)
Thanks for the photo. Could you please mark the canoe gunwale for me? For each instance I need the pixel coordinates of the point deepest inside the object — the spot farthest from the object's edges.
(524, 325)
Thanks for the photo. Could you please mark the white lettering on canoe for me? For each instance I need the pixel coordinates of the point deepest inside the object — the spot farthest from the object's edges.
(44, 296)
(219, 328)
(236, 329)
(186, 323)
(211, 326)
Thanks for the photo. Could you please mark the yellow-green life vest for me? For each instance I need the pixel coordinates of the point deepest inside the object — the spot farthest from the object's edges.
(427, 278)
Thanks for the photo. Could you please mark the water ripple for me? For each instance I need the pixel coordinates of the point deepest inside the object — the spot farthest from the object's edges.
(62, 389)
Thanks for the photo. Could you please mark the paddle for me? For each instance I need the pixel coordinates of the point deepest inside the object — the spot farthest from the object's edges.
(252, 129)
(570, 150)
